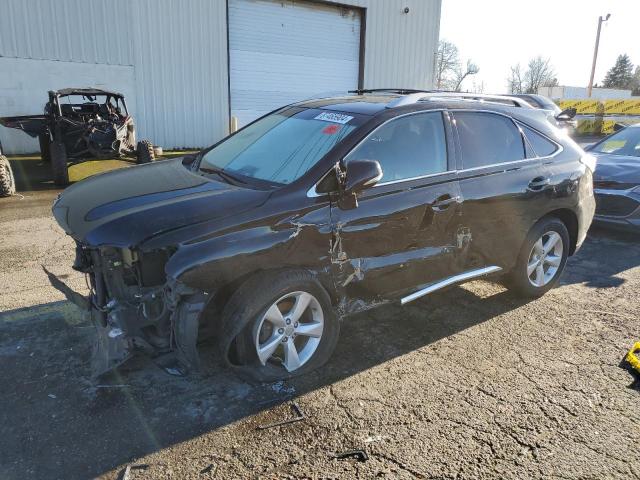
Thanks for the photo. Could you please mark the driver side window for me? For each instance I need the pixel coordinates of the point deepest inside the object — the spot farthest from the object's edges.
(407, 147)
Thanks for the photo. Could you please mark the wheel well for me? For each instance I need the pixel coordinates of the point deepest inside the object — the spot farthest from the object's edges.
(570, 220)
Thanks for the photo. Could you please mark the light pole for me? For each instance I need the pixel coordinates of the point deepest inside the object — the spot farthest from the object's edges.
(595, 53)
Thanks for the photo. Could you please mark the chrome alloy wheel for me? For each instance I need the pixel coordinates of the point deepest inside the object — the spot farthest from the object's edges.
(290, 330)
(545, 259)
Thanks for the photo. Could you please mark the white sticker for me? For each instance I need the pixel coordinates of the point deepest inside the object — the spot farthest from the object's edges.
(333, 117)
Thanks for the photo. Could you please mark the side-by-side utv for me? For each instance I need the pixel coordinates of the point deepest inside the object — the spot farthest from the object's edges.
(80, 124)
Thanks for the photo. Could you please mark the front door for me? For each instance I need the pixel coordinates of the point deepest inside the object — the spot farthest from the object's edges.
(403, 232)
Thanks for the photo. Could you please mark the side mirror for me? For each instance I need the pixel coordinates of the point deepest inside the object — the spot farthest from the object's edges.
(618, 126)
(361, 174)
(566, 115)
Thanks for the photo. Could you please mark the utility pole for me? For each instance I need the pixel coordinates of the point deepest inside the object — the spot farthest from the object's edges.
(595, 53)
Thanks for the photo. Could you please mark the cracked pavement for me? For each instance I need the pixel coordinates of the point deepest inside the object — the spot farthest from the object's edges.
(466, 383)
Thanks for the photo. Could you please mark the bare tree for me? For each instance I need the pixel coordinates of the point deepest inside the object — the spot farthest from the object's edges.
(516, 82)
(460, 75)
(539, 73)
(447, 63)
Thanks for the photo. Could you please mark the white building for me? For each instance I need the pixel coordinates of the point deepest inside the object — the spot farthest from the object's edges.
(188, 66)
(577, 93)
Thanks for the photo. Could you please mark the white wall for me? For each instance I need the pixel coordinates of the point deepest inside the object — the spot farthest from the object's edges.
(24, 84)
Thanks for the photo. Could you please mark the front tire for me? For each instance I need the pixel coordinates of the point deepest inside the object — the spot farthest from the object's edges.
(45, 153)
(541, 260)
(59, 166)
(287, 324)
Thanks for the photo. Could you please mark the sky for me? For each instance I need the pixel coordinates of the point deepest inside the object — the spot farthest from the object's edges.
(496, 34)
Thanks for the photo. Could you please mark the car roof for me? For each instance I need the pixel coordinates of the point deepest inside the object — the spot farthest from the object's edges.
(373, 103)
(85, 91)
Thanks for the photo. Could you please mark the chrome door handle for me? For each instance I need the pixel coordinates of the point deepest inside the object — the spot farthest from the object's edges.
(442, 203)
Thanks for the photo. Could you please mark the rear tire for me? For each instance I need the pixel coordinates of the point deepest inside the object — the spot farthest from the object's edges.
(145, 152)
(541, 260)
(7, 180)
(45, 152)
(59, 166)
(244, 319)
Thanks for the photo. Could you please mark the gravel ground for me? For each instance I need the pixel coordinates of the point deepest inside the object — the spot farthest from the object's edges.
(467, 383)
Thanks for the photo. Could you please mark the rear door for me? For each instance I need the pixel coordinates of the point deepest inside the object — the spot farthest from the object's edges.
(504, 191)
(402, 234)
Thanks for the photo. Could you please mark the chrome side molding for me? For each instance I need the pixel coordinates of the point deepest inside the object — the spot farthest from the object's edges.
(461, 277)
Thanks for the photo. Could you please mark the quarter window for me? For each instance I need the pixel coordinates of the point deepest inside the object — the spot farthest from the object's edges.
(541, 146)
(487, 139)
(407, 147)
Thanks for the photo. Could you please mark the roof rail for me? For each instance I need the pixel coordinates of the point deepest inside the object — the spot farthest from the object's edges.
(400, 91)
(459, 96)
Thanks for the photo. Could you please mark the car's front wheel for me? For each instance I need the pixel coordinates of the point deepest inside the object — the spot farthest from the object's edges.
(287, 325)
(542, 259)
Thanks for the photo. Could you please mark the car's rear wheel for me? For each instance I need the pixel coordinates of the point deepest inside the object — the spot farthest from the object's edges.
(7, 180)
(541, 260)
(288, 326)
(59, 166)
(144, 153)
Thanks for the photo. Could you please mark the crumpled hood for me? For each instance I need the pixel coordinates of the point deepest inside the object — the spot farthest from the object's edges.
(617, 168)
(126, 207)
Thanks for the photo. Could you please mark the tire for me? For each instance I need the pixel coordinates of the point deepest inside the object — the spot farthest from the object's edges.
(7, 180)
(245, 313)
(540, 281)
(45, 152)
(144, 152)
(59, 166)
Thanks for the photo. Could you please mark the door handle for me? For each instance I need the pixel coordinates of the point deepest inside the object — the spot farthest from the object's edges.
(538, 183)
(443, 202)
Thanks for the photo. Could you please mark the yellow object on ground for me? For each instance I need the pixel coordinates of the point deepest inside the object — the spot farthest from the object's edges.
(631, 357)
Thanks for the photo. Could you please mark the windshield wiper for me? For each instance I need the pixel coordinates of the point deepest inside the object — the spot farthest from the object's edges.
(229, 178)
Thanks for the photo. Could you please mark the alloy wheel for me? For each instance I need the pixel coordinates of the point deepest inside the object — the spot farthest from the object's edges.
(290, 330)
(545, 259)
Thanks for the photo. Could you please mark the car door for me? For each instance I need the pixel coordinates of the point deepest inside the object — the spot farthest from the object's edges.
(504, 192)
(402, 233)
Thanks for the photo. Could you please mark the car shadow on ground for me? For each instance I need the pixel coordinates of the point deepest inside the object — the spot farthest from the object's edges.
(598, 263)
(57, 423)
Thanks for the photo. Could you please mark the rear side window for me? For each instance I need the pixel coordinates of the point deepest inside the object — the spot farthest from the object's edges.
(541, 146)
(407, 147)
(487, 139)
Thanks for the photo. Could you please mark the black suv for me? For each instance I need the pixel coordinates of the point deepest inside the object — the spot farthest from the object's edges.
(316, 211)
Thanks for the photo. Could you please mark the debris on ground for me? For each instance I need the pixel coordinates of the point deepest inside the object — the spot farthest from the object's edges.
(359, 455)
(300, 416)
(631, 362)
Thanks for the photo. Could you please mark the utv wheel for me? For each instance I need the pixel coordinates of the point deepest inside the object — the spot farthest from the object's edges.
(287, 325)
(145, 152)
(7, 181)
(45, 153)
(59, 163)
(541, 260)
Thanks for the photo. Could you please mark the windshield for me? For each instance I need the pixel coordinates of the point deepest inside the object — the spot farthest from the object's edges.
(625, 142)
(282, 146)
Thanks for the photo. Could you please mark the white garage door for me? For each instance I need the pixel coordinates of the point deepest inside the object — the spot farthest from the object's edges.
(285, 51)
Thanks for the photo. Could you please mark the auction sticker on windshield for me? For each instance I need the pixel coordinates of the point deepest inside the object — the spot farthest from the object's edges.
(333, 117)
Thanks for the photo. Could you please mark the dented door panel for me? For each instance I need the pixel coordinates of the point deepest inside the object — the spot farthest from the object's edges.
(396, 239)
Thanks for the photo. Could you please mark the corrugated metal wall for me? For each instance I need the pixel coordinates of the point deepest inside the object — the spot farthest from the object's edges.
(88, 31)
(178, 52)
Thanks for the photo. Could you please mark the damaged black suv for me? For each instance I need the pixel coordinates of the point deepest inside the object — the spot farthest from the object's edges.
(316, 211)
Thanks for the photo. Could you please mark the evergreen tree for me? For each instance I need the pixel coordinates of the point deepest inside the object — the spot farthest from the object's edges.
(621, 74)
